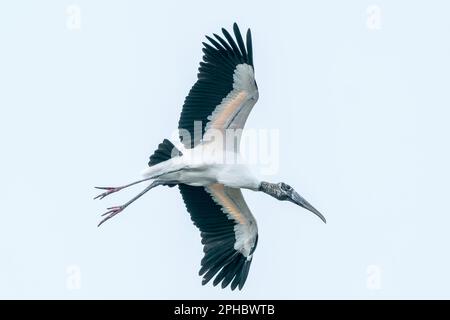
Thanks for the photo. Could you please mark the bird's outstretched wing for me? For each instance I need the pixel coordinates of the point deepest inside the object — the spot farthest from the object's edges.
(228, 230)
(225, 91)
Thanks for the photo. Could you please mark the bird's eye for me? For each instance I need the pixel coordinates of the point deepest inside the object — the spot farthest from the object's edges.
(286, 187)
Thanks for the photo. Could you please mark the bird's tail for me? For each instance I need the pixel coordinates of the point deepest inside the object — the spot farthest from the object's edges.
(157, 164)
(166, 150)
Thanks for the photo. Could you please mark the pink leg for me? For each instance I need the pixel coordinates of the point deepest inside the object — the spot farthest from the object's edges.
(112, 211)
(110, 190)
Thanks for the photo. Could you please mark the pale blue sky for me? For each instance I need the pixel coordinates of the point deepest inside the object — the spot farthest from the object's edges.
(363, 116)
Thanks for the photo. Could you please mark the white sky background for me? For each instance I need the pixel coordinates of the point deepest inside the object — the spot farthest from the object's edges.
(363, 117)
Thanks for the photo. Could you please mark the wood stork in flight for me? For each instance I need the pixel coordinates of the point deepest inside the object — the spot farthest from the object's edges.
(219, 101)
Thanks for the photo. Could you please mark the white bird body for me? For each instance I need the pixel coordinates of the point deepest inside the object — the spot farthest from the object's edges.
(204, 165)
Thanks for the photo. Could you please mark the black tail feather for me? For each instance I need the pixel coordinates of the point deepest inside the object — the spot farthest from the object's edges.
(165, 151)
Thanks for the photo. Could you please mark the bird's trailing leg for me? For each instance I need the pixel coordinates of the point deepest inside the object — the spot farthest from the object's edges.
(112, 211)
(110, 190)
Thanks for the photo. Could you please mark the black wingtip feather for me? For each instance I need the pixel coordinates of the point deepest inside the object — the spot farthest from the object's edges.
(244, 274)
(228, 267)
(215, 43)
(233, 271)
(249, 47)
(233, 45)
(224, 44)
(240, 41)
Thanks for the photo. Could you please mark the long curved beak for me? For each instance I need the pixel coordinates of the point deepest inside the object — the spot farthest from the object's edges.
(299, 200)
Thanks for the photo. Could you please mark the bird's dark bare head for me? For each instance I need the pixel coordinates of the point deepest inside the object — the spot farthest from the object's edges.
(285, 192)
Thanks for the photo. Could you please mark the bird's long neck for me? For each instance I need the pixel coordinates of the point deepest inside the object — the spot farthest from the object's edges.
(270, 189)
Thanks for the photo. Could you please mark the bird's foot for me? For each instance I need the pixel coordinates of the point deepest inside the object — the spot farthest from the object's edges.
(112, 211)
(109, 190)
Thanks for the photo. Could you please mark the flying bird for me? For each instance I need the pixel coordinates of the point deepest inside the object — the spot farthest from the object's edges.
(220, 101)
